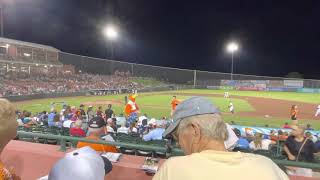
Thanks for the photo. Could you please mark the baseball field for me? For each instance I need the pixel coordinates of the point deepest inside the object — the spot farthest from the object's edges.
(251, 107)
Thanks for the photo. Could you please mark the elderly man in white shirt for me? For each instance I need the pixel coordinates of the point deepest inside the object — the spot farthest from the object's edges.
(200, 131)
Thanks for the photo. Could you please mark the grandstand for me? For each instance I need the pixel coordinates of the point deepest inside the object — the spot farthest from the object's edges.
(33, 71)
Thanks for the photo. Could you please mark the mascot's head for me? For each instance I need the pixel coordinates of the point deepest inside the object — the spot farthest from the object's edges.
(132, 97)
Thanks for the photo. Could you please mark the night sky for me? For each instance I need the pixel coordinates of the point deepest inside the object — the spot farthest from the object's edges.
(275, 37)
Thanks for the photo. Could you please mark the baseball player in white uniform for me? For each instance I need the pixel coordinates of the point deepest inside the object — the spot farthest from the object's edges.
(226, 94)
(318, 111)
(231, 107)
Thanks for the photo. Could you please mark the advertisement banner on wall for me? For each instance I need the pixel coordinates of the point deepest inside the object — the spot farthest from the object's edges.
(293, 83)
(278, 89)
(228, 83)
(213, 87)
(308, 90)
(247, 85)
(226, 87)
(250, 89)
(275, 84)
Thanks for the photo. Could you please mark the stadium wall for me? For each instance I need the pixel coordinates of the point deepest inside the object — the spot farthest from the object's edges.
(263, 85)
(89, 92)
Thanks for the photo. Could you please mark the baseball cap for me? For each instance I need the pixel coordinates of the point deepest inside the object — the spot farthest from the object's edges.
(96, 122)
(81, 164)
(191, 107)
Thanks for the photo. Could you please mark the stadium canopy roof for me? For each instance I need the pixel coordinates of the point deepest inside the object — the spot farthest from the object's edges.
(22, 43)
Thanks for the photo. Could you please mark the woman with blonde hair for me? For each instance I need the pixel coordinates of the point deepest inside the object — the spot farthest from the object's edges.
(8, 131)
(259, 143)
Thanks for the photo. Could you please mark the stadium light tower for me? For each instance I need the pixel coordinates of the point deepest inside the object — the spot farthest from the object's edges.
(231, 48)
(1, 18)
(111, 33)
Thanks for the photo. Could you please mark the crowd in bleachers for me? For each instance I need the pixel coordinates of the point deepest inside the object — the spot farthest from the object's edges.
(24, 83)
(75, 121)
(79, 122)
(105, 124)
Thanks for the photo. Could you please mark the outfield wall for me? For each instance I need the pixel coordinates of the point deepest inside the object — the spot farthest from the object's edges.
(264, 85)
(97, 92)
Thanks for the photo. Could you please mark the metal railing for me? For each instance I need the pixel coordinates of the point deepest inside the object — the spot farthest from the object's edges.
(142, 147)
(63, 139)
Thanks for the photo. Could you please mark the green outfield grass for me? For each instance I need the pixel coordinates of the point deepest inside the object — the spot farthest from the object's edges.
(154, 105)
(290, 96)
(157, 105)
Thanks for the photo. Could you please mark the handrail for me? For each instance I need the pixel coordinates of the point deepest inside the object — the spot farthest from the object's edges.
(297, 164)
(121, 144)
(142, 147)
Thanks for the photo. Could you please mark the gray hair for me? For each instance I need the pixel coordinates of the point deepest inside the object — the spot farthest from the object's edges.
(7, 116)
(212, 126)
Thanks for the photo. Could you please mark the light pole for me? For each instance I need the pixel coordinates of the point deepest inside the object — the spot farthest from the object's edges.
(1, 18)
(231, 48)
(111, 34)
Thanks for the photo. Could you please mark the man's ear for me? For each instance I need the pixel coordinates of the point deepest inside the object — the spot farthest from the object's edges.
(196, 132)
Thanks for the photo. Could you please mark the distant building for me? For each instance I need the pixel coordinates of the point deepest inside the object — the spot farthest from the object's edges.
(20, 56)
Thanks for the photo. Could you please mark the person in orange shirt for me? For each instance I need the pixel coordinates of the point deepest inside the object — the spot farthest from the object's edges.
(96, 128)
(174, 104)
(294, 113)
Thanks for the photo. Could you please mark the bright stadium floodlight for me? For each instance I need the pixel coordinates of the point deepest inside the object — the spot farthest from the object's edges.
(110, 32)
(231, 48)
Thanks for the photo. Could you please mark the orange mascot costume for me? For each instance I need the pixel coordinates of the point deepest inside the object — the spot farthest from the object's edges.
(131, 109)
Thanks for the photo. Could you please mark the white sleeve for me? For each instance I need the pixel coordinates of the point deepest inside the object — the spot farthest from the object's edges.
(252, 146)
(232, 138)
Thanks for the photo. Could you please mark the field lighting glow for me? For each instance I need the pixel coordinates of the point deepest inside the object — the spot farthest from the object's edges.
(232, 47)
(110, 32)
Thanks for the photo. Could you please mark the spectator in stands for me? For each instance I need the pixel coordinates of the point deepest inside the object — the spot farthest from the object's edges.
(143, 128)
(132, 128)
(96, 128)
(51, 118)
(68, 113)
(110, 126)
(56, 121)
(76, 130)
(99, 111)
(155, 134)
(81, 164)
(243, 143)
(8, 131)
(81, 109)
(282, 136)
(297, 147)
(286, 126)
(273, 135)
(309, 127)
(123, 129)
(27, 119)
(43, 118)
(259, 143)
(90, 112)
(311, 137)
(109, 112)
(317, 144)
(200, 131)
